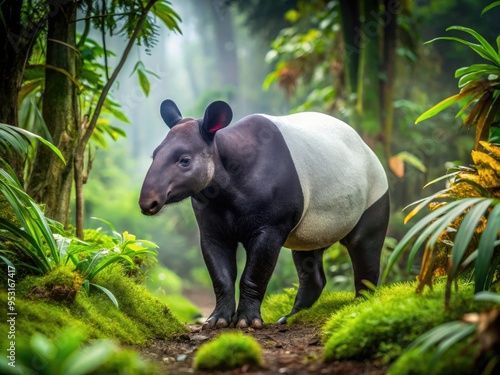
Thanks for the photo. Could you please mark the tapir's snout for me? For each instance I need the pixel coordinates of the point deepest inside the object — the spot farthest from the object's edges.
(150, 203)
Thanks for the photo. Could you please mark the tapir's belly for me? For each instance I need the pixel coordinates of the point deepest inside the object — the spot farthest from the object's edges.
(339, 175)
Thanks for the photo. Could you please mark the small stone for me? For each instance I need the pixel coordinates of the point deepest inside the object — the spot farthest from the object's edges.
(168, 360)
(283, 370)
(199, 338)
(181, 358)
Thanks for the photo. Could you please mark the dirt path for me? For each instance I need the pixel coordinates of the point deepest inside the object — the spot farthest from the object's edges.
(286, 349)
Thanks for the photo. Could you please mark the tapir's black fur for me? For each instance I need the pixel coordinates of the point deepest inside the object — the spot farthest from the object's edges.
(255, 198)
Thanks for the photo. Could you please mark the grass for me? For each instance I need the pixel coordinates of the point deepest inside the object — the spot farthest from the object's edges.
(228, 351)
(379, 327)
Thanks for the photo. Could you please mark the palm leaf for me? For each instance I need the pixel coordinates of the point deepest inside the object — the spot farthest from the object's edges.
(466, 231)
(488, 49)
(486, 248)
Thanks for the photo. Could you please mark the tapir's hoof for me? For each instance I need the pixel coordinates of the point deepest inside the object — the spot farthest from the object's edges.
(212, 323)
(256, 323)
(282, 320)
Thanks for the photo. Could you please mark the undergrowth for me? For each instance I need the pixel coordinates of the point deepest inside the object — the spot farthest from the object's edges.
(277, 305)
(141, 316)
(380, 327)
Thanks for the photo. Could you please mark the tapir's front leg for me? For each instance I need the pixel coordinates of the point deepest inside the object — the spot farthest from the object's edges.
(262, 254)
(220, 258)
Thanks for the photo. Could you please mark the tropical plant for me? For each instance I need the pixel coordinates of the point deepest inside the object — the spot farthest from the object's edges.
(474, 328)
(31, 236)
(137, 256)
(461, 231)
(479, 85)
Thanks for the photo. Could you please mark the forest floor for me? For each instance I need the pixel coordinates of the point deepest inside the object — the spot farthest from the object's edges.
(287, 349)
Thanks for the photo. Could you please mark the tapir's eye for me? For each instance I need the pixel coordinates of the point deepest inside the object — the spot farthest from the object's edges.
(184, 161)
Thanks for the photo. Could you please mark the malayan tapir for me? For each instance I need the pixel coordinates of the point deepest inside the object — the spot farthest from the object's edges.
(303, 181)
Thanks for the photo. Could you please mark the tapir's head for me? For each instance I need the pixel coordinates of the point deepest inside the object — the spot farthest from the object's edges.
(183, 164)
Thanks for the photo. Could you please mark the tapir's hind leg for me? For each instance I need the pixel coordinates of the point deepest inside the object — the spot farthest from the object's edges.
(365, 242)
(312, 280)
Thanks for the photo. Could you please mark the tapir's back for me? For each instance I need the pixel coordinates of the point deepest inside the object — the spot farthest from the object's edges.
(339, 175)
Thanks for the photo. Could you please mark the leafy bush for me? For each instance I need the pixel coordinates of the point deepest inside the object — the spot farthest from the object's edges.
(228, 351)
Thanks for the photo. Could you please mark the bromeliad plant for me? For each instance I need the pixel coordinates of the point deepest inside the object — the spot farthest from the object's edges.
(461, 232)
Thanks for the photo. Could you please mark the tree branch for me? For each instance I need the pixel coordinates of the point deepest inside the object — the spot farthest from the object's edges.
(109, 84)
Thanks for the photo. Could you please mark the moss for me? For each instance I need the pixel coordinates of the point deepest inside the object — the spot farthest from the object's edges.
(63, 283)
(182, 308)
(140, 317)
(457, 360)
(228, 351)
(277, 305)
(139, 304)
(380, 326)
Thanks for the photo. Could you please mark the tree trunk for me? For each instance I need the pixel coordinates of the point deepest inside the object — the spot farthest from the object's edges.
(16, 40)
(350, 21)
(388, 69)
(368, 100)
(51, 180)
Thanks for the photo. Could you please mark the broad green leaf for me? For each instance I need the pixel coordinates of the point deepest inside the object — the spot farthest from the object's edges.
(486, 248)
(479, 49)
(6, 128)
(441, 106)
(108, 293)
(489, 50)
(466, 231)
(467, 78)
(474, 68)
(144, 82)
(167, 15)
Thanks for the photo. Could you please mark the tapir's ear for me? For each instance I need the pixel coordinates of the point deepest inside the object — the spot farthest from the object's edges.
(170, 113)
(218, 115)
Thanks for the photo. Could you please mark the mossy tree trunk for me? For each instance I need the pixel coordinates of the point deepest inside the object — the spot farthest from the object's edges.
(51, 180)
(16, 42)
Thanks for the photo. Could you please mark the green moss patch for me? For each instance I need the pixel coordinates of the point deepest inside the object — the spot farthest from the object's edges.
(380, 327)
(228, 351)
(140, 316)
(277, 305)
